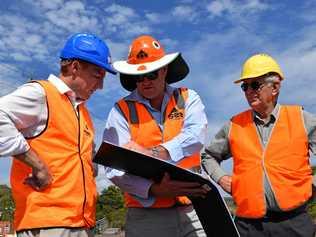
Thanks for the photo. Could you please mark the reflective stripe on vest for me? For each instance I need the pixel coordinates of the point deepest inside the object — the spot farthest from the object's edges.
(285, 161)
(146, 132)
(66, 147)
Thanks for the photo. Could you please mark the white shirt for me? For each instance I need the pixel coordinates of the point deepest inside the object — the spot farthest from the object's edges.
(23, 113)
(189, 141)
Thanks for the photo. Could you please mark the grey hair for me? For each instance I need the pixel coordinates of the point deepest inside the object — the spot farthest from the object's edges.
(272, 78)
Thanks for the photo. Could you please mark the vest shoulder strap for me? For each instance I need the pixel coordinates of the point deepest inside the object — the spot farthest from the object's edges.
(180, 95)
(128, 110)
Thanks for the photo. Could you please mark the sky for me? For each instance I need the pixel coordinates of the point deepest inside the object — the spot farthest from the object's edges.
(214, 36)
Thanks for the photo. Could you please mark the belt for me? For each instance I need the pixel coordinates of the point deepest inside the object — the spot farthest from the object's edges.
(277, 216)
(273, 215)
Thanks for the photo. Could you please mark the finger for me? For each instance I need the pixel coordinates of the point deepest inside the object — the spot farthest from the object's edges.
(44, 182)
(197, 191)
(165, 178)
(185, 184)
(206, 187)
(189, 192)
(32, 183)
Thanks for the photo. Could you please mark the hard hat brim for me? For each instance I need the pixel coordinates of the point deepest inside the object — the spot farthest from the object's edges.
(177, 69)
(258, 75)
(240, 80)
(109, 68)
(133, 69)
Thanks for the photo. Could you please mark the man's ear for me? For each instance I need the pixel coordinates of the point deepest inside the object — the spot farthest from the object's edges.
(75, 65)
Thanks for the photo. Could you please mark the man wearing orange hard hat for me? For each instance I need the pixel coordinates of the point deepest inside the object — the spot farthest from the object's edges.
(162, 121)
(270, 143)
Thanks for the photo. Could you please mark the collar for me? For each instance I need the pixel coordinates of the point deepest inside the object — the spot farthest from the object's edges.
(273, 116)
(60, 85)
(63, 88)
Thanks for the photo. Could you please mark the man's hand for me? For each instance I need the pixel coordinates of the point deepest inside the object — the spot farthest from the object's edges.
(40, 177)
(172, 188)
(226, 183)
(160, 152)
(135, 147)
(157, 151)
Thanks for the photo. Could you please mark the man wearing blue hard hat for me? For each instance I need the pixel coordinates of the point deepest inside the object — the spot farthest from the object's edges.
(47, 129)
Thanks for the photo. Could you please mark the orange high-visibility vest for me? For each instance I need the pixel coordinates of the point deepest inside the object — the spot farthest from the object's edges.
(146, 132)
(285, 161)
(66, 147)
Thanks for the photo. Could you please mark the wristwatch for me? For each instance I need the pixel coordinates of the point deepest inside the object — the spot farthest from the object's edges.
(155, 151)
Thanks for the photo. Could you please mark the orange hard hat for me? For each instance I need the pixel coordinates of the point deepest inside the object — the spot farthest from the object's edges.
(145, 55)
(145, 49)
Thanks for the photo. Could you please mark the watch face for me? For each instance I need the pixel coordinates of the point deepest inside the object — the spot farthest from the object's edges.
(155, 151)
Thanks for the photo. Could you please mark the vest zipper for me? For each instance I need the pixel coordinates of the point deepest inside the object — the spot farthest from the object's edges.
(77, 113)
(82, 167)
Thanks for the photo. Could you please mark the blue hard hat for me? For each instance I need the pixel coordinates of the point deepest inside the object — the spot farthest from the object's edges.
(90, 48)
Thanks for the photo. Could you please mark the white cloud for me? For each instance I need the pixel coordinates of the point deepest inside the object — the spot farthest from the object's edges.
(46, 5)
(122, 13)
(20, 57)
(73, 16)
(217, 8)
(298, 64)
(154, 17)
(220, 7)
(125, 21)
(19, 42)
(170, 45)
(184, 12)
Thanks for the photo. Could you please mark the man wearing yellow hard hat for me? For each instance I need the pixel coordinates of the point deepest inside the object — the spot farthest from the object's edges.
(162, 121)
(269, 143)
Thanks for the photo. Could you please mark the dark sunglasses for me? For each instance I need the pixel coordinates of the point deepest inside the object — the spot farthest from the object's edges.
(150, 76)
(255, 85)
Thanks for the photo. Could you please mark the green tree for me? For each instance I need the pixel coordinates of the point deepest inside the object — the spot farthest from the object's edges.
(6, 204)
(111, 205)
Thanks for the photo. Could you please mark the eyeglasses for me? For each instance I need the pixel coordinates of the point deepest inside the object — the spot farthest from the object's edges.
(255, 85)
(151, 76)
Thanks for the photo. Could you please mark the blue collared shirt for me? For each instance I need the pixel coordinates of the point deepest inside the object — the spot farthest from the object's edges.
(189, 141)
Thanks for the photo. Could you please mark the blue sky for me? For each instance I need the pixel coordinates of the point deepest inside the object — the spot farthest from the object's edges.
(214, 36)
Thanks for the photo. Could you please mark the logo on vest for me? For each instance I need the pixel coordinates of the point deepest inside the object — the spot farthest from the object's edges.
(175, 114)
(87, 131)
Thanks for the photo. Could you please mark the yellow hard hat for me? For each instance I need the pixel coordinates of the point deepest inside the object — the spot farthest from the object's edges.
(259, 65)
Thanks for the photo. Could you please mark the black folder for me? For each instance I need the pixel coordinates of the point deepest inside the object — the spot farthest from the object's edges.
(211, 210)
